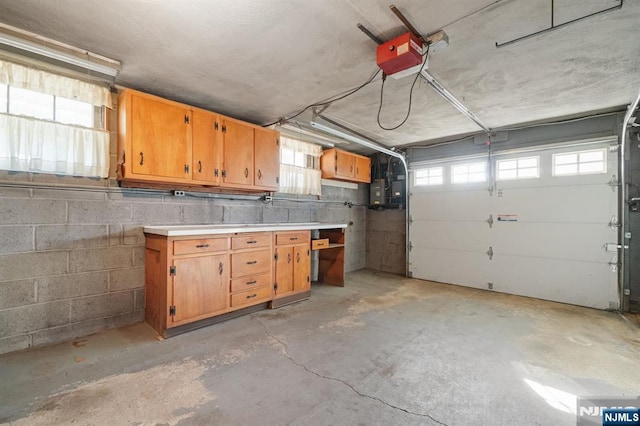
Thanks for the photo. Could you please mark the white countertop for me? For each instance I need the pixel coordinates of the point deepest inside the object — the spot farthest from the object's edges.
(231, 228)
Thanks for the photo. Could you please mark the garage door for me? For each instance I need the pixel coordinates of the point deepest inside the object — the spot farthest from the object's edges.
(534, 223)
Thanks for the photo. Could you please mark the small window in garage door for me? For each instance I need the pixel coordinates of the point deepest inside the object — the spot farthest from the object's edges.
(580, 163)
(429, 176)
(518, 168)
(467, 173)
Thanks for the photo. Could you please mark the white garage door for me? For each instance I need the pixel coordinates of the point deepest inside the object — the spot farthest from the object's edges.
(540, 232)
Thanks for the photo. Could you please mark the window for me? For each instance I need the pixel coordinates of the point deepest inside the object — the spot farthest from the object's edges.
(300, 167)
(467, 173)
(430, 176)
(580, 163)
(518, 168)
(48, 123)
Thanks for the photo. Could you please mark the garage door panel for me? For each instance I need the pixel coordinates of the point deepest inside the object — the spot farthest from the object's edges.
(451, 206)
(575, 282)
(466, 236)
(469, 269)
(586, 204)
(571, 241)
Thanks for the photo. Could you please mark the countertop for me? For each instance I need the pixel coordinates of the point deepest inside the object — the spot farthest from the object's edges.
(232, 228)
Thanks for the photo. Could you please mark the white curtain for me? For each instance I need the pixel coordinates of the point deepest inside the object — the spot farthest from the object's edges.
(300, 180)
(32, 145)
(52, 84)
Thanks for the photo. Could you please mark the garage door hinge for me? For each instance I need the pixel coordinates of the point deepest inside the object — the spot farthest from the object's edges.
(490, 253)
(613, 223)
(614, 263)
(410, 246)
(410, 219)
(172, 311)
(172, 271)
(490, 221)
(613, 183)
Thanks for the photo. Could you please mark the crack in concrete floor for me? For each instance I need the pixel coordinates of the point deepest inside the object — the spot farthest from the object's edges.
(344, 382)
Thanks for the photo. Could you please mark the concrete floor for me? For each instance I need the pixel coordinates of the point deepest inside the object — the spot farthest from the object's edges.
(382, 350)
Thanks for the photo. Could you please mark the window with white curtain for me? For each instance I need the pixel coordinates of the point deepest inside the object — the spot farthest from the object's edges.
(299, 167)
(51, 123)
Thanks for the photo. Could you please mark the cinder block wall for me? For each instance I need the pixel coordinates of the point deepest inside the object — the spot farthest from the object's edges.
(72, 259)
(385, 241)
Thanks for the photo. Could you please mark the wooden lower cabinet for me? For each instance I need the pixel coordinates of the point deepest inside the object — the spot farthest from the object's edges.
(292, 264)
(192, 281)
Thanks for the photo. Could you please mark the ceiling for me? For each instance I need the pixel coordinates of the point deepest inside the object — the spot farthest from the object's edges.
(263, 60)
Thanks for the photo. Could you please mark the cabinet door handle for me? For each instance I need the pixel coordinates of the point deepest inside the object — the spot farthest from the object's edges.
(199, 166)
(253, 262)
(252, 296)
(298, 257)
(202, 245)
(252, 242)
(141, 158)
(288, 257)
(251, 282)
(259, 174)
(220, 268)
(246, 172)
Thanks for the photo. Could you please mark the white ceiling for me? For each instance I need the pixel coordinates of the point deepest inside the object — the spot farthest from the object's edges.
(262, 60)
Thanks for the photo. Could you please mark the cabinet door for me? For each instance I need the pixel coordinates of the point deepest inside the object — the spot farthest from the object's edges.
(207, 147)
(284, 270)
(200, 286)
(160, 138)
(238, 153)
(345, 163)
(267, 158)
(363, 169)
(302, 267)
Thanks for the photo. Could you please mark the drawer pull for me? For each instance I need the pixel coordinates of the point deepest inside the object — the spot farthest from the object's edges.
(202, 245)
(252, 296)
(253, 262)
(293, 238)
(251, 282)
(320, 244)
(252, 242)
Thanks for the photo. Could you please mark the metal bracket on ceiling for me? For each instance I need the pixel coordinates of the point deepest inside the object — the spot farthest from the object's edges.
(555, 27)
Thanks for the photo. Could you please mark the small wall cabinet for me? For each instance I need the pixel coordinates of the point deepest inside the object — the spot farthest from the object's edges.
(342, 165)
(164, 142)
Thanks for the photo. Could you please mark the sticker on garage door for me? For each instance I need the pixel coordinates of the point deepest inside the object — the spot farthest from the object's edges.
(507, 218)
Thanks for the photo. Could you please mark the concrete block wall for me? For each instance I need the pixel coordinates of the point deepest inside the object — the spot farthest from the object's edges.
(72, 262)
(72, 249)
(385, 241)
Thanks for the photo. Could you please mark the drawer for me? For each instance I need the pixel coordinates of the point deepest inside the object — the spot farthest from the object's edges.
(250, 263)
(251, 241)
(203, 245)
(319, 244)
(250, 282)
(251, 297)
(293, 237)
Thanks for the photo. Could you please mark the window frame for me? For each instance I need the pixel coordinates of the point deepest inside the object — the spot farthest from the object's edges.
(518, 168)
(468, 173)
(429, 176)
(578, 163)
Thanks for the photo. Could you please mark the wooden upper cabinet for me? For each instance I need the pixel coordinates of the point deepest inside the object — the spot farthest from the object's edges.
(162, 142)
(267, 160)
(343, 165)
(206, 166)
(363, 169)
(238, 153)
(154, 138)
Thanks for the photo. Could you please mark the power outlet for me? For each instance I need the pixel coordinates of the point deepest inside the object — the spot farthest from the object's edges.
(178, 193)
